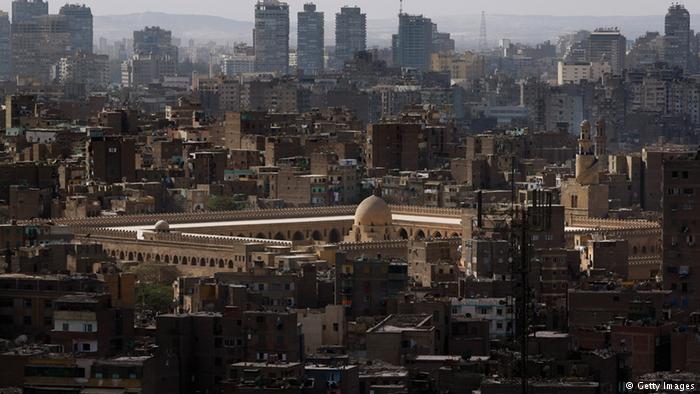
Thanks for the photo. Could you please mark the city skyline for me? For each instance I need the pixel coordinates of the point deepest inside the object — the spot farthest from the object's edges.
(387, 10)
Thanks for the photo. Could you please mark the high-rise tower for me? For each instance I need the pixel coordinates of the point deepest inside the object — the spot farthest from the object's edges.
(26, 10)
(310, 40)
(608, 45)
(413, 45)
(677, 36)
(5, 47)
(80, 26)
(271, 36)
(350, 34)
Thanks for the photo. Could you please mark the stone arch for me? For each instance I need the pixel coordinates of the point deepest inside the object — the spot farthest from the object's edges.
(261, 236)
(221, 263)
(157, 258)
(454, 235)
(212, 262)
(121, 255)
(334, 236)
(279, 236)
(202, 262)
(420, 234)
(644, 249)
(148, 257)
(316, 235)
(634, 250)
(437, 234)
(176, 260)
(167, 259)
(193, 261)
(298, 236)
(230, 264)
(139, 258)
(403, 234)
(131, 256)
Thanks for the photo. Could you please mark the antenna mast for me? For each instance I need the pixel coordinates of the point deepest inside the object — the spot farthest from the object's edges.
(483, 39)
(400, 7)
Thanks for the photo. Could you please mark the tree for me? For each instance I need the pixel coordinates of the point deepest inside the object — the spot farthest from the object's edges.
(225, 203)
(154, 297)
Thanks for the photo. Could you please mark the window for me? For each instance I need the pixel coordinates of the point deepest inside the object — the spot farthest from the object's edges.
(65, 327)
(115, 375)
(86, 347)
(87, 327)
(98, 375)
(335, 327)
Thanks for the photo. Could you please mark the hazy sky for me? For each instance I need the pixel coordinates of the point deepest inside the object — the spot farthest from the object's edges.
(242, 9)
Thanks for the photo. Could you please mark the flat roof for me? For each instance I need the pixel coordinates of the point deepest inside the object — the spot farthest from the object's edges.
(312, 219)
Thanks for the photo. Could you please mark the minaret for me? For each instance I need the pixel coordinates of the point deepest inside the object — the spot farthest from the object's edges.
(584, 141)
(586, 161)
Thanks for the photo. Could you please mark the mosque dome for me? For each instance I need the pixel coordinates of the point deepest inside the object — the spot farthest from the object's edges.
(162, 226)
(373, 211)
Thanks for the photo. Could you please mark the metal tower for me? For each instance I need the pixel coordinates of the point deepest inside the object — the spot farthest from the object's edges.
(483, 39)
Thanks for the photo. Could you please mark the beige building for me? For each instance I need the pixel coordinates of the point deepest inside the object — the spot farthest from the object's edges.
(467, 65)
(574, 73)
(322, 327)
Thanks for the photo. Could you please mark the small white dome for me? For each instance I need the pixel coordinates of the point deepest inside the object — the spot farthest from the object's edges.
(162, 226)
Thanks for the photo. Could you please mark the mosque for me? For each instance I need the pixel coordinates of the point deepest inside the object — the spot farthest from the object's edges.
(202, 243)
(223, 241)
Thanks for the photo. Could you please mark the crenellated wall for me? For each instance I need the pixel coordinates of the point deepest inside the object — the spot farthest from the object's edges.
(613, 224)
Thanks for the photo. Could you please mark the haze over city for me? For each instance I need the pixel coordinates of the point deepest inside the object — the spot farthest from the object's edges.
(252, 197)
(381, 9)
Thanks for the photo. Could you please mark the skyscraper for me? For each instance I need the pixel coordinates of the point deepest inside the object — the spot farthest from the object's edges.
(26, 10)
(442, 42)
(608, 45)
(350, 34)
(154, 56)
(413, 45)
(37, 45)
(5, 47)
(80, 26)
(310, 40)
(271, 36)
(677, 36)
(154, 41)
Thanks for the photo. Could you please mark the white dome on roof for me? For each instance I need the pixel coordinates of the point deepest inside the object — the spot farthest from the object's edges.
(373, 211)
(162, 226)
